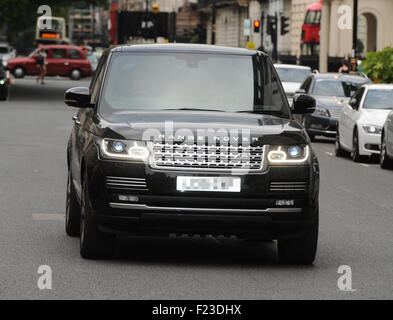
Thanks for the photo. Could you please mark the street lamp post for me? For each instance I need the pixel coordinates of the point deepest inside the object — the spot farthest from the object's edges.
(214, 22)
(355, 28)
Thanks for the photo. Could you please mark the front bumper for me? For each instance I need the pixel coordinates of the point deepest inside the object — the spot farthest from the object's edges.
(160, 209)
(369, 144)
(320, 125)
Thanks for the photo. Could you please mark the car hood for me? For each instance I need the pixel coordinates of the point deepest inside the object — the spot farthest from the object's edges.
(331, 102)
(177, 125)
(374, 116)
(291, 87)
(18, 60)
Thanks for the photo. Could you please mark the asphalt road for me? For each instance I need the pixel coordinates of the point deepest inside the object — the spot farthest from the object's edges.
(356, 224)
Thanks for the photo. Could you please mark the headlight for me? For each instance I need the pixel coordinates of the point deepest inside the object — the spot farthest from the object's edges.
(288, 154)
(322, 112)
(372, 129)
(124, 150)
(2, 81)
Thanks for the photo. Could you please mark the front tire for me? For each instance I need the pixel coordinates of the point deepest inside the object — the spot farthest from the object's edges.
(73, 210)
(356, 157)
(384, 160)
(303, 250)
(94, 244)
(19, 72)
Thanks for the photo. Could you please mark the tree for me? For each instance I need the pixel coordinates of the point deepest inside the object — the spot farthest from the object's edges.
(378, 66)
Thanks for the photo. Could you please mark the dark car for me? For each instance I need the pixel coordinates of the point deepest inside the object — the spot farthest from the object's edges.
(62, 60)
(4, 84)
(386, 157)
(190, 139)
(332, 92)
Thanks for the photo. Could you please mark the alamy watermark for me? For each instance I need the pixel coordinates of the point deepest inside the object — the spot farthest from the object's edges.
(45, 20)
(344, 21)
(44, 281)
(344, 282)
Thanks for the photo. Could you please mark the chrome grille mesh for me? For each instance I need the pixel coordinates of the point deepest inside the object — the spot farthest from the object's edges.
(207, 156)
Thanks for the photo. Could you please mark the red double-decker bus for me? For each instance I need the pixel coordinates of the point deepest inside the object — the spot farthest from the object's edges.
(311, 28)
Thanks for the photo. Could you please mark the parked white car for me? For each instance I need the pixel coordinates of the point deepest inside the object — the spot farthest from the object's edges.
(6, 52)
(362, 119)
(292, 76)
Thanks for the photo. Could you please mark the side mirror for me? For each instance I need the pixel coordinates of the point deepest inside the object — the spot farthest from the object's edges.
(353, 103)
(78, 97)
(303, 104)
(300, 91)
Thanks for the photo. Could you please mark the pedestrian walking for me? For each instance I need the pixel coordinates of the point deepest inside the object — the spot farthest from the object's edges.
(40, 60)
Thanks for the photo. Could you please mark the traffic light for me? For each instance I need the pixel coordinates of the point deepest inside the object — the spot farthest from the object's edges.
(271, 25)
(284, 25)
(257, 26)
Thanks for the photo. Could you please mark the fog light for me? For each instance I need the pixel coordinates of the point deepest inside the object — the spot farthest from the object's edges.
(127, 197)
(281, 203)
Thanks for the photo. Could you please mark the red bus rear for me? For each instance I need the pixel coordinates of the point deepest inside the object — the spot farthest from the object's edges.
(311, 28)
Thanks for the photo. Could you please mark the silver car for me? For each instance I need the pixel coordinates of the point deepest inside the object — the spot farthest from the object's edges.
(386, 158)
(292, 76)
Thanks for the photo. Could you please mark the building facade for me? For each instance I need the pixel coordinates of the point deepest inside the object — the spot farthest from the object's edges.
(375, 28)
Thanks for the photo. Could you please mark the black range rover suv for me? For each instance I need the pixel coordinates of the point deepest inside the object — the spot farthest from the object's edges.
(190, 139)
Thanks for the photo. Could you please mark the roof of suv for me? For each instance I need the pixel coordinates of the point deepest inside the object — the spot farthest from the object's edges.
(181, 47)
(291, 66)
(59, 46)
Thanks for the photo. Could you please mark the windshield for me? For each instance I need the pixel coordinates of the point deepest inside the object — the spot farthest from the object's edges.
(379, 99)
(292, 74)
(313, 17)
(334, 87)
(231, 83)
(34, 52)
(3, 50)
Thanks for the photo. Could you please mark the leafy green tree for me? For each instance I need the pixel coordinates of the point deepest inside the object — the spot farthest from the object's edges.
(378, 66)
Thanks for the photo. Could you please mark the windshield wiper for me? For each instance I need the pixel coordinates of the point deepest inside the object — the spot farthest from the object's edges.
(194, 109)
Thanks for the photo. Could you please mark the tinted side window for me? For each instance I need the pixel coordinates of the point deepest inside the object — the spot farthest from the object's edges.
(74, 54)
(59, 54)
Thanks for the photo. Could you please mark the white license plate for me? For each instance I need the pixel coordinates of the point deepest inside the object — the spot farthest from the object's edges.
(219, 184)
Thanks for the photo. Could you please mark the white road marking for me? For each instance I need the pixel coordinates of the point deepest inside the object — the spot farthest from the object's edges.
(48, 216)
(365, 165)
(329, 154)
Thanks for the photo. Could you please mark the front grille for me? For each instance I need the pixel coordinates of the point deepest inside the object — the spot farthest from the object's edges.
(288, 186)
(132, 184)
(335, 113)
(168, 155)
